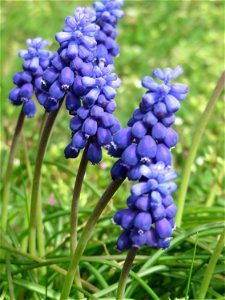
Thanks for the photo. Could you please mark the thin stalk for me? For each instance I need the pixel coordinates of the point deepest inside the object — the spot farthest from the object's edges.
(125, 273)
(27, 161)
(211, 266)
(75, 200)
(36, 179)
(74, 211)
(29, 171)
(195, 144)
(9, 169)
(86, 234)
(40, 230)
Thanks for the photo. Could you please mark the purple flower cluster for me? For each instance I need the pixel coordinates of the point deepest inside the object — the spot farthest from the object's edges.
(94, 121)
(107, 14)
(28, 81)
(144, 151)
(71, 62)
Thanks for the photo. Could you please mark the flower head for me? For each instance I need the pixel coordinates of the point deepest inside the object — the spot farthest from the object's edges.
(94, 120)
(143, 149)
(36, 60)
(107, 14)
(71, 62)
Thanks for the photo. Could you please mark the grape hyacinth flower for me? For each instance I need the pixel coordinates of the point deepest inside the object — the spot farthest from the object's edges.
(72, 61)
(28, 81)
(107, 14)
(94, 121)
(144, 152)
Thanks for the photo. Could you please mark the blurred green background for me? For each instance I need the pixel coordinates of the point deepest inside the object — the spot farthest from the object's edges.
(151, 34)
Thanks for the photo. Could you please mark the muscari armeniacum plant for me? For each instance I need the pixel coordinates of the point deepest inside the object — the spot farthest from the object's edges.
(75, 60)
(144, 152)
(81, 71)
(36, 60)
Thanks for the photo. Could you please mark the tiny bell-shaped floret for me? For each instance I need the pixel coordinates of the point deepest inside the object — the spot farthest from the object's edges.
(152, 238)
(158, 212)
(160, 110)
(143, 221)
(70, 151)
(50, 75)
(167, 188)
(131, 200)
(94, 153)
(143, 203)
(66, 78)
(155, 199)
(168, 120)
(72, 103)
(171, 211)
(118, 171)
(124, 242)
(171, 138)
(138, 237)
(51, 104)
(29, 108)
(123, 138)
(146, 148)
(167, 200)
(26, 91)
(150, 119)
(163, 228)
(14, 96)
(90, 127)
(138, 130)
(163, 154)
(79, 140)
(172, 104)
(159, 131)
(117, 219)
(128, 219)
(55, 91)
(104, 136)
(129, 156)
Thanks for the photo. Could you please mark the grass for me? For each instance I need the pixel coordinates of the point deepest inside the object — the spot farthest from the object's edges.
(151, 34)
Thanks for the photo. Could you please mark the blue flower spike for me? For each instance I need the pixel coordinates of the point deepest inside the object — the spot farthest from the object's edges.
(95, 83)
(28, 81)
(144, 152)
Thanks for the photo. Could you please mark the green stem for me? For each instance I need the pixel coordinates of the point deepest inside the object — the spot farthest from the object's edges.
(212, 263)
(40, 229)
(36, 179)
(125, 273)
(76, 198)
(40, 235)
(9, 169)
(86, 234)
(195, 144)
(74, 212)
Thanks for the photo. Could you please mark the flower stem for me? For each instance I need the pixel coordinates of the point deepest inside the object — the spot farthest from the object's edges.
(9, 169)
(212, 263)
(86, 234)
(125, 273)
(195, 144)
(36, 179)
(74, 212)
(76, 198)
